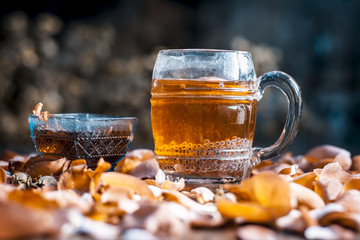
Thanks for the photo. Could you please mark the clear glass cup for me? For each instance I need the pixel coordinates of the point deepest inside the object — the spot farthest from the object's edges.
(83, 135)
(203, 111)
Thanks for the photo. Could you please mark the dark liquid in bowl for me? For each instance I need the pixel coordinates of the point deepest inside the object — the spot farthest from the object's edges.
(91, 146)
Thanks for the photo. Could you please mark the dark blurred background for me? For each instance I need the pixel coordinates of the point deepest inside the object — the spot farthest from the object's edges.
(98, 57)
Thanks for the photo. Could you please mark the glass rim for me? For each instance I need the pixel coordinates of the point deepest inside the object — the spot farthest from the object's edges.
(87, 117)
(177, 51)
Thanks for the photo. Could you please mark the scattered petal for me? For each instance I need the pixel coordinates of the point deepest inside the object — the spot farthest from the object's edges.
(146, 169)
(306, 180)
(350, 200)
(335, 171)
(344, 159)
(121, 179)
(37, 166)
(328, 233)
(301, 195)
(324, 151)
(3, 175)
(249, 211)
(178, 186)
(203, 194)
(356, 163)
(328, 189)
(294, 222)
(249, 231)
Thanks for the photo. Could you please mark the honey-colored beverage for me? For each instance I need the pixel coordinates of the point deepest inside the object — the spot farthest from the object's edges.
(203, 128)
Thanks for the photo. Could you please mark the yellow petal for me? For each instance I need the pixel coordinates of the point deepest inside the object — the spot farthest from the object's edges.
(306, 180)
(352, 184)
(270, 191)
(251, 212)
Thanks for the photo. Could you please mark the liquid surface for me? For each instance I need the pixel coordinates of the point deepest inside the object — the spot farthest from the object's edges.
(202, 126)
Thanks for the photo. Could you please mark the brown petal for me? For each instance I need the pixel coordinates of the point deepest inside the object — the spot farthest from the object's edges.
(77, 162)
(16, 166)
(3, 175)
(77, 178)
(250, 231)
(356, 163)
(18, 220)
(344, 219)
(8, 155)
(4, 165)
(37, 166)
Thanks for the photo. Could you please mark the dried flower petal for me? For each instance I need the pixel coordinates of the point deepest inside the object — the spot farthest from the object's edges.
(203, 194)
(250, 231)
(306, 179)
(356, 163)
(3, 175)
(344, 159)
(37, 166)
(18, 220)
(159, 219)
(4, 165)
(328, 189)
(122, 197)
(134, 158)
(332, 232)
(251, 212)
(37, 109)
(294, 222)
(301, 195)
(341, 218)
(121, 179)
(270, 191)
(8, 155)
(335, 171)
(324, 151)
(350, 200)
(146, 169)
(77, 162)
(178, 186)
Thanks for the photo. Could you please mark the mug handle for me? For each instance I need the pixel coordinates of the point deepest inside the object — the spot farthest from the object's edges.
(289, 87)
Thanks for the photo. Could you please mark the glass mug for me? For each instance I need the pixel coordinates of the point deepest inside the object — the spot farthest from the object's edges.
(203, 111)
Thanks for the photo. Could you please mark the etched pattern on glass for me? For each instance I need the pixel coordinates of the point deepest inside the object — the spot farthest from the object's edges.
(218, 159)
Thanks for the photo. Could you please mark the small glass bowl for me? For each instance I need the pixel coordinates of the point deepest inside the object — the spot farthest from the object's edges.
(83, 136)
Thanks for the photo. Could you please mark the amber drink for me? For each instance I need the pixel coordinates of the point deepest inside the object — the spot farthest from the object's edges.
(203, 111)
(206, 135)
